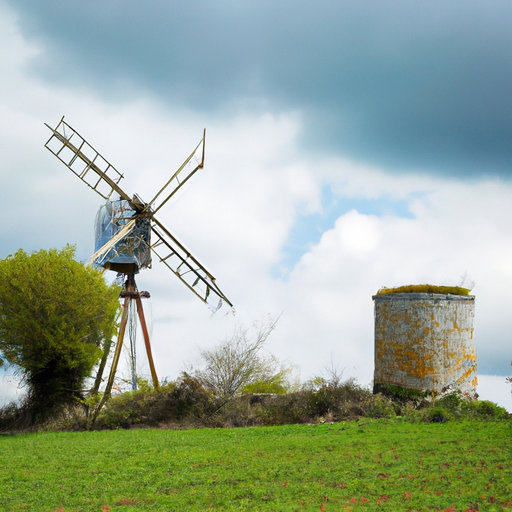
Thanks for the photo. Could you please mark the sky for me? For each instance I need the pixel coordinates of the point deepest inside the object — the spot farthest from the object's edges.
(350, 145)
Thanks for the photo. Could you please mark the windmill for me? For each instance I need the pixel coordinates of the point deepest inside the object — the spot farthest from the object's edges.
(128, 232)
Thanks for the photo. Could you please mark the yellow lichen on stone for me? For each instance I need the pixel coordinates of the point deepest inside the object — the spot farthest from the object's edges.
(423, 341)
(425, 288)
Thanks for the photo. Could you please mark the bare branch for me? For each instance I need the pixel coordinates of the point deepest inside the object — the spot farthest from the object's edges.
(237, 361)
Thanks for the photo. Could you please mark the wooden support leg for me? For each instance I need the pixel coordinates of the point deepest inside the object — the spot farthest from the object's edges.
(142, 319)
(130, 293)
(115, 361)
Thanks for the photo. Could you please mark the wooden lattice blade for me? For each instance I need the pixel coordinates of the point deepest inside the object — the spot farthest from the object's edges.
(184, 265)
(188, 168)
(84, 161)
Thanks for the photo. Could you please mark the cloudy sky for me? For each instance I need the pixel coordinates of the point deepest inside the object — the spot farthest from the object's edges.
(350, 145)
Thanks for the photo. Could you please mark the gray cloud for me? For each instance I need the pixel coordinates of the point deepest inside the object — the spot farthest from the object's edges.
(357, 226)
(404, 85)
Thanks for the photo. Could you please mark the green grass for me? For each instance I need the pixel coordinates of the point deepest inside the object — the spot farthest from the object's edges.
(367, 465)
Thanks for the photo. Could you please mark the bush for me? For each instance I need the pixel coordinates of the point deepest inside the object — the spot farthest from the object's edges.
(260, 409)
(459, 405)
(13, 417)
(183, 402)
(400, 394)
(334, 398)
(437, 414)
(487, 409)
(237, 365)
(381, 407)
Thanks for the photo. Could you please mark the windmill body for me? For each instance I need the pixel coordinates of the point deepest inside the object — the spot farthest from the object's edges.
(132, 252)
(128, 232)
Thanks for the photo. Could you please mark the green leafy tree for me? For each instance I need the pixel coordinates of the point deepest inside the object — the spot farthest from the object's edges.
(55, 315)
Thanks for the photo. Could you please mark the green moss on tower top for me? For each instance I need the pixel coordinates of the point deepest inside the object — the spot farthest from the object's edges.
(425, 288)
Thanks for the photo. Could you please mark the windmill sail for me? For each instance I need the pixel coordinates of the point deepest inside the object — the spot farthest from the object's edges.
(79, 156)
(187, 169)
(185, 266)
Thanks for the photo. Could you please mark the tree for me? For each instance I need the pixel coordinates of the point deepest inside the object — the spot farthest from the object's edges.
(237, 364)
(54, 317)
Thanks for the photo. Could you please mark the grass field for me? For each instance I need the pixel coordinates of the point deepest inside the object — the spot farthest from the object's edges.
(366, 465)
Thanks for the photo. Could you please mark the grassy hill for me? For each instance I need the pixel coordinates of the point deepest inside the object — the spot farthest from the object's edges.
(369, 464)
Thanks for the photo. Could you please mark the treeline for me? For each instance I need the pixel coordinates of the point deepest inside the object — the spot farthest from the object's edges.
(187, 404)
(237, 384)
(57, 324)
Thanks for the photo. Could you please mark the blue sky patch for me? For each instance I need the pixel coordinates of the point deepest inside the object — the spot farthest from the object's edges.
(309, 228)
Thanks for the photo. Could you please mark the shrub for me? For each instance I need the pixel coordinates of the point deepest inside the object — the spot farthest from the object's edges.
(337, 398)
(183, 402)
(487, 409)
(437, 414)
(381, 407)
(12, 417)
(400, 394)
(237, 365)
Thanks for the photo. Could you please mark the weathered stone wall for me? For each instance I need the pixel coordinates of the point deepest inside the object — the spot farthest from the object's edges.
(425, 341)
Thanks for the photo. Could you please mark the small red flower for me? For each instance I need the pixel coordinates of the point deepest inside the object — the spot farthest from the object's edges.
(382, 498)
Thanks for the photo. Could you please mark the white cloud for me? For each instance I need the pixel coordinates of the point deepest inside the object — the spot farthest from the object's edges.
(236, 216)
